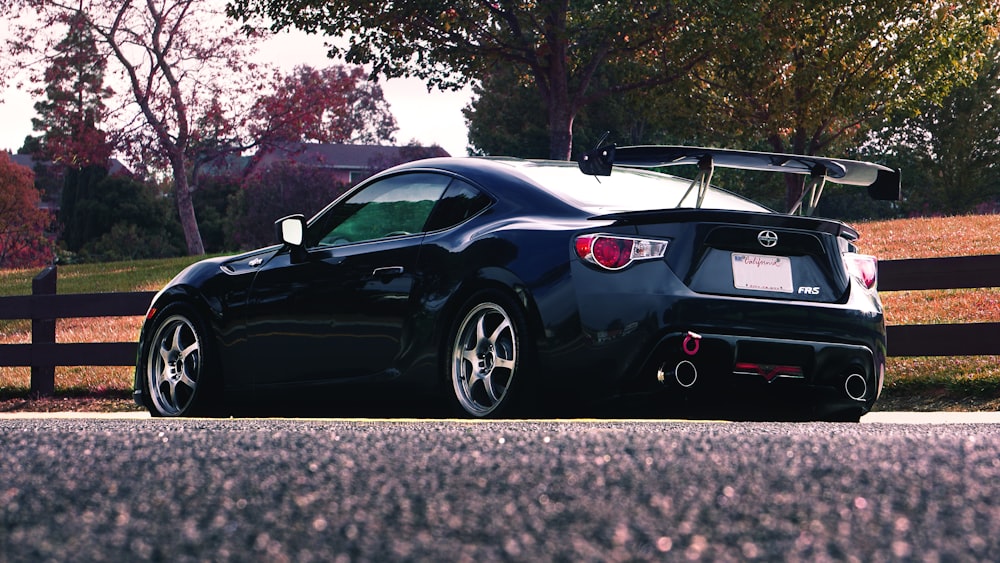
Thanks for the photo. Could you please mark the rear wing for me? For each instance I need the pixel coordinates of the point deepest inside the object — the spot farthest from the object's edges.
(883, 183)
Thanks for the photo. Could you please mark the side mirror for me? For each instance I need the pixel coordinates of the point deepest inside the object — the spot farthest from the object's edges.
(291, 230)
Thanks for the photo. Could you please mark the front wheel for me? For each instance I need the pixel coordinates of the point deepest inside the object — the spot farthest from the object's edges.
(487, 359)
(175, 374)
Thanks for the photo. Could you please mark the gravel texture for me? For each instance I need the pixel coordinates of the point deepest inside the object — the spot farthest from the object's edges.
(355, 490)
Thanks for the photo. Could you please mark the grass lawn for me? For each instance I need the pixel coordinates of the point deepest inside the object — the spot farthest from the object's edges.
(969, 383)
(82, 387)
(926, 383)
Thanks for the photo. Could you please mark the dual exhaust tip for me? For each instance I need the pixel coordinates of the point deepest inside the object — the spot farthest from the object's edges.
(685, 373)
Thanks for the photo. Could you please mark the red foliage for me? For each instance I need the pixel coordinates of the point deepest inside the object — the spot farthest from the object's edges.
(22, 223)
(331, 105)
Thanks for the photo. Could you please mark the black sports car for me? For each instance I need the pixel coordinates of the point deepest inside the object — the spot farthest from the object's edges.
(505, 285)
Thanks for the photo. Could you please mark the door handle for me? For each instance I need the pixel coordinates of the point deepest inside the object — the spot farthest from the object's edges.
(387, 272)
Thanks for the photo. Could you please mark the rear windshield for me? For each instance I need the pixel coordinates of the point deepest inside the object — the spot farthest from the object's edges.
(626, 189)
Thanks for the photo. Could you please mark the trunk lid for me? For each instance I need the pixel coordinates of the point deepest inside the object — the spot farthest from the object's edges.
(750, 254)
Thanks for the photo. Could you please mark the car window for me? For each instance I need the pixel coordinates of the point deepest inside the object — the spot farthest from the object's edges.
(395, 206)
(459, 202)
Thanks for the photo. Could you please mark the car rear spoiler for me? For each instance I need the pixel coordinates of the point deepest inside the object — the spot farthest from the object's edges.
(883, 183)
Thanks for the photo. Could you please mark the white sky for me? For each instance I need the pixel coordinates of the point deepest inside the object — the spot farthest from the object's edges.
(427, 117)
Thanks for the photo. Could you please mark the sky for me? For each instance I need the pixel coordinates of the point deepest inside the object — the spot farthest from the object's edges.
(428, 117)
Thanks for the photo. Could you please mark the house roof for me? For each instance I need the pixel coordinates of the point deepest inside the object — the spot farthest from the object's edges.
(23, 159)
(26, 160)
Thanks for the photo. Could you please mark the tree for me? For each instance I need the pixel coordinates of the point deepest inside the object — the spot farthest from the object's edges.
(561, 43)
(952, 147)
(178, 59)
(22, 223)
(74, 100)
(282, 189)
(809, 77)
(507, 117)
(68, 117)
(336, 104)
(127, 220)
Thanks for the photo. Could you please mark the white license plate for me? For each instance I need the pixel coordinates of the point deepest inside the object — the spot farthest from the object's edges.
(762, 273)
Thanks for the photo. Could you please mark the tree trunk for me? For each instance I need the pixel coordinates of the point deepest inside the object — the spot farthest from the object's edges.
(560, 131)
(185, 209)
(794, 183)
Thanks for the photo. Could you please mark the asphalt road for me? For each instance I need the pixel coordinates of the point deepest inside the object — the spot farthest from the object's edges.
(355, 490)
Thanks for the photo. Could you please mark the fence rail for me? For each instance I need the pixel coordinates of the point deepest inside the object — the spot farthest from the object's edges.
(43, 307)
(958, 272)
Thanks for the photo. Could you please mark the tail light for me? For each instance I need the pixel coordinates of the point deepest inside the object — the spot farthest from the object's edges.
(863, 267)
(614, 252)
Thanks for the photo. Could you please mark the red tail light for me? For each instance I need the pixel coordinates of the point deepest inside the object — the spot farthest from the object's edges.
(614, 253)
(863, 267)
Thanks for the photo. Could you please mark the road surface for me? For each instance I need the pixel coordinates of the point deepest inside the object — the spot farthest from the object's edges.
(133, 488)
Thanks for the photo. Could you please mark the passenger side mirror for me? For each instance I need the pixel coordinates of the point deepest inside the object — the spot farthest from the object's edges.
(291, 230)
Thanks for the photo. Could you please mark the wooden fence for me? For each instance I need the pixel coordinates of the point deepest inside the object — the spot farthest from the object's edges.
(43, 307)
(961, 272)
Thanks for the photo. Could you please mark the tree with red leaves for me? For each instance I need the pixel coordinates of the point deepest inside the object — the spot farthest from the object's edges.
(178, 60)
(189, 87)
(336, 104)
(22, 222)
(331, 105)
(74, 100)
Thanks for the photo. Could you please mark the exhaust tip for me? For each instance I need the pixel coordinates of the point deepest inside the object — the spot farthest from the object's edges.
(685, 373)
(856, 386)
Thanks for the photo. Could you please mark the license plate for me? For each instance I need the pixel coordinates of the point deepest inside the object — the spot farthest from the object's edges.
(762, 273)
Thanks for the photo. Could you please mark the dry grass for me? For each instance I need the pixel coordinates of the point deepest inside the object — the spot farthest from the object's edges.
(964, 235)
(82, 387)
(963, 383)
(913, 383)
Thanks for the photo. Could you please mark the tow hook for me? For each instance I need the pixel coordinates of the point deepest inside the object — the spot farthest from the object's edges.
(691, 344)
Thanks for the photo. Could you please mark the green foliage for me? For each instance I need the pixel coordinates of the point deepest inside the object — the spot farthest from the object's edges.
(949, 151)
(804, 76)
(119, 218)
(561, 45)
(508, 116)
(79, 185)
(211, 202)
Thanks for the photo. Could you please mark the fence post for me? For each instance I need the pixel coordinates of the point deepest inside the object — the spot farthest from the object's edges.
(43, 331)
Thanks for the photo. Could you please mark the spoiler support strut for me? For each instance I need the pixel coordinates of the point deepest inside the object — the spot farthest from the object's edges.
(706, 167)
(813, 190)
(882, 183)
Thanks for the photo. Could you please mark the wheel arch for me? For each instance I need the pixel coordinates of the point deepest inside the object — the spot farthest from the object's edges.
(503, 282)
(183, 296)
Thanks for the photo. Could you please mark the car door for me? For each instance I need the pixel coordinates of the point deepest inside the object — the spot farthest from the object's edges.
(339, 309)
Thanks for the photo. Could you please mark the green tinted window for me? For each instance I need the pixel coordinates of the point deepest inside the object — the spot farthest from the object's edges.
(395, 206)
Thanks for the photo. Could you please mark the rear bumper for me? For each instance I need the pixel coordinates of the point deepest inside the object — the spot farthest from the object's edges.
(633, 340)
(836, 374)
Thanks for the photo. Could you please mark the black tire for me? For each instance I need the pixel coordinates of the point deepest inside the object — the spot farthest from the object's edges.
(177, 367)
(488, 359)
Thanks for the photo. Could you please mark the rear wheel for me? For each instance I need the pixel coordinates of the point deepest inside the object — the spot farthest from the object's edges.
(487, 359)
(176, 379)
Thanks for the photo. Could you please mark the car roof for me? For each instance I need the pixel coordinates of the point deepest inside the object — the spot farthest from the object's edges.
(626, 189)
